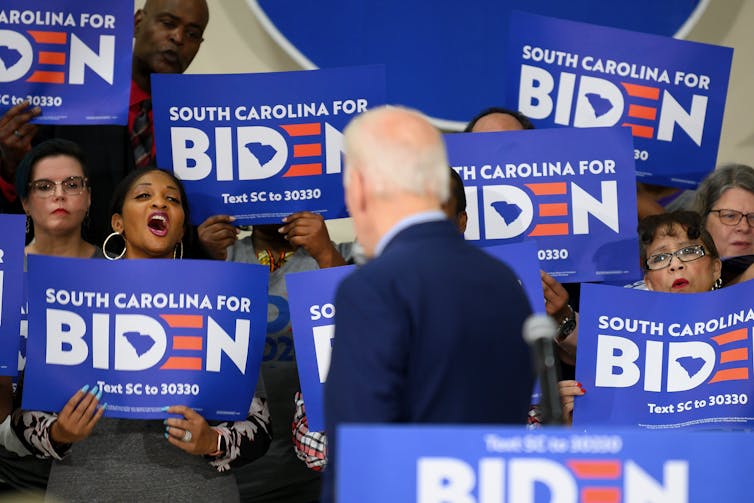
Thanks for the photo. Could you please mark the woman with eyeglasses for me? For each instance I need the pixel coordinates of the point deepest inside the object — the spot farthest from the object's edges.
(51, 182)
(725, 200)
(180, 459)
(52, 185)
(677, 254)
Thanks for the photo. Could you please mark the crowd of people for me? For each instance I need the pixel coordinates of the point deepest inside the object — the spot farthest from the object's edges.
(425, 324)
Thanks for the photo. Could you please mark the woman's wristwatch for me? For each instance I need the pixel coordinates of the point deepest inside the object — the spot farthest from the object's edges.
(566, 325)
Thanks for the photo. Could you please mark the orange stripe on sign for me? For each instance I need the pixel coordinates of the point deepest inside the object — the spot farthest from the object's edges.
(48, 77)
(640, 131)
(595, 469)
(547, 189)
(641, 112)
(187, 342)
(733, 336)
(304, 169)
(650, 93)
(739, 374)
(600, 495)
(553, 210)
(734, 355)
(51, 58)
(550, 230)
(303, 129)
(182, 363)
(307, 150)
(183, 320)
(49, 37)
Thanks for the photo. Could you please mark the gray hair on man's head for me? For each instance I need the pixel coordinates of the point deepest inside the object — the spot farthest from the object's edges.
(723, 178)
(396, 149)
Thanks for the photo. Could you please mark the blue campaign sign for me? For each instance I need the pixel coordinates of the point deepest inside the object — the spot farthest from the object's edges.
(11, 290)
(522, 258)
(72, 58)
(669, 93)
(657, 360)
(261, 146)
(149, 333)
(311, 297)
(572, 190)
(486, 464)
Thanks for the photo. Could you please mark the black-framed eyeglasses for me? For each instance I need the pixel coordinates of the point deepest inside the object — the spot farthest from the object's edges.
(72, 186)
(733, 217)
(685, 254)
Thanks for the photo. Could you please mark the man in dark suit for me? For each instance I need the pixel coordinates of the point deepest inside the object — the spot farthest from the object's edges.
(428, 331)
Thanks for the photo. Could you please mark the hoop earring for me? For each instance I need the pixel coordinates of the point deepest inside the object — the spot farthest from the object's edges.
(718, 284)
(176, 254)
(104, 247)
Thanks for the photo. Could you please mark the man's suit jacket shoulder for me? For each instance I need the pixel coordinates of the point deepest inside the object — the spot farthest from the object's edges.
(433, 307)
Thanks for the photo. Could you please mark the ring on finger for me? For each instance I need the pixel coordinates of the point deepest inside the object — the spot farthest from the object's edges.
(186, 436)
(18, 133)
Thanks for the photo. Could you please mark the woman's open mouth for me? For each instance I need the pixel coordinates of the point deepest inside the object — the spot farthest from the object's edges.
(158, 224)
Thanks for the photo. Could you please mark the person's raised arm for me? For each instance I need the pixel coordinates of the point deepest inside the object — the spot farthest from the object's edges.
(556, 305)
(16, 135)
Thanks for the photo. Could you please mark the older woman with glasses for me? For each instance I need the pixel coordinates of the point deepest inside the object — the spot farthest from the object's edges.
(725, 199)
(678, 254)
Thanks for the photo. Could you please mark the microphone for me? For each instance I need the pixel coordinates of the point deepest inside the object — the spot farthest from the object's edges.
(539, 333)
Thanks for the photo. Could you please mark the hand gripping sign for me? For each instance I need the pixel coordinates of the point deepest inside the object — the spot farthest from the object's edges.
(660, 360)
(149, 333)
